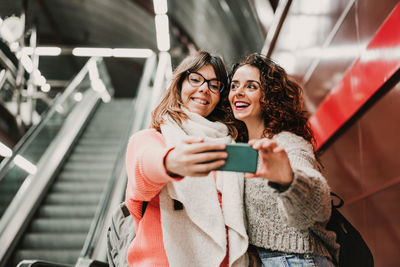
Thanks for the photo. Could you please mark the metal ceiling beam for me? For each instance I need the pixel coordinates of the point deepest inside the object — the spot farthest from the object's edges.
(180, 34)
(45, 11)
(277, 22)
(56, 30)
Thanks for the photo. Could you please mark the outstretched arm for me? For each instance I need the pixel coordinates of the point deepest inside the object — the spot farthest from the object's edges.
(274, 163)
(287, 163)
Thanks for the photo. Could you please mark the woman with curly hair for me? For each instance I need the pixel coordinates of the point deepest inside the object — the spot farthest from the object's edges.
(287, 200)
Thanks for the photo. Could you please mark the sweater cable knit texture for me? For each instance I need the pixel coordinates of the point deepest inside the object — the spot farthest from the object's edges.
(294, 220)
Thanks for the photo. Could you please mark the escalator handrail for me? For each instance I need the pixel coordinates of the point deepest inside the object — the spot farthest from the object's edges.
(19, 212)
(46, 117)
(95, 228)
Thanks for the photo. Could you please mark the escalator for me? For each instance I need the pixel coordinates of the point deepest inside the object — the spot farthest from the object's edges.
(65, 177)
(57, 187)
(59, 229)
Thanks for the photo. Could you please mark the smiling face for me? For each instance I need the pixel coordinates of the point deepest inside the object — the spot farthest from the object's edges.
(200, 99)
(245, 95)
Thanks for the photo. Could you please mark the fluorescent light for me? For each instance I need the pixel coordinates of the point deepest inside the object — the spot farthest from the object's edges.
(92, 52)
(59, 109)
(225, 6)
(265, 12)
(98, 85)
(160, 6)
(43, 51)
(27, 63)
(45, 87)
(130, 52)
(25, 164)
(333, 52)
(48, 51)
(93, 71)
(86, 51)
(78, 96)
(106, 98)
(14, 46)
(162, 31)
(287, 60)
(5, 151)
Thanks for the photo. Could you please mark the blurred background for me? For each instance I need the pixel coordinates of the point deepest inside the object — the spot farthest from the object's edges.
(77, 77)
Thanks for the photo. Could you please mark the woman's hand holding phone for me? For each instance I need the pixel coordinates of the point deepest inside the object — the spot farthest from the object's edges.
(274, 164)
(194, 157)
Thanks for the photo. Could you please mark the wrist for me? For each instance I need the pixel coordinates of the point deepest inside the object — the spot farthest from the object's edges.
(165, 163)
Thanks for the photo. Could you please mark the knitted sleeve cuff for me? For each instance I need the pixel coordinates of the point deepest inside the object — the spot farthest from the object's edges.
(174, 176)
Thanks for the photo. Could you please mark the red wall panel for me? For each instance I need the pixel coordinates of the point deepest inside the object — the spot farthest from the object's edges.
(376, 65)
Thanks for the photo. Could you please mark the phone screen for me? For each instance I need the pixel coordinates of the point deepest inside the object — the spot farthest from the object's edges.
(241, 158)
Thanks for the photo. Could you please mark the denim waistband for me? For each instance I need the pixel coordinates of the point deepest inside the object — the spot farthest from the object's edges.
(267, 253)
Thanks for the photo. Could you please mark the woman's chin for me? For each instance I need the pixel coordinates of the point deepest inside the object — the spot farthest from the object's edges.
(240, 117)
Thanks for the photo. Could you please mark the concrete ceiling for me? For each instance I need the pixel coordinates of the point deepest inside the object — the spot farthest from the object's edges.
(229, 28)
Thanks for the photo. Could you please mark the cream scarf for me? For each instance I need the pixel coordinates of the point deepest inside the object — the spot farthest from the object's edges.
(196, 235)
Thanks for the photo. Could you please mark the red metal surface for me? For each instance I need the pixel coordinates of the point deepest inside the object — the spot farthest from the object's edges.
(376, 65)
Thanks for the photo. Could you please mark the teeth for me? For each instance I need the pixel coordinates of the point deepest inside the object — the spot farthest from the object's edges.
(241, 105)
(203, 102)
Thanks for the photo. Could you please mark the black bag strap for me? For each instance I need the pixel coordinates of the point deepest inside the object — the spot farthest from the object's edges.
(144, 206)
(126, 212)
(177, 206)
(341, 202)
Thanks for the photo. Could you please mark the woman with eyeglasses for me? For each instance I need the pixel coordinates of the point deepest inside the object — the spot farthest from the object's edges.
(194, 216)
(287, 200)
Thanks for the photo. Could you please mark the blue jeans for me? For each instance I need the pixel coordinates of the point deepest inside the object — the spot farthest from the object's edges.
(281, 259)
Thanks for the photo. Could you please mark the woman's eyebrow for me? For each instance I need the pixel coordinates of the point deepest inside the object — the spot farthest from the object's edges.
(248, 81)
(253, 81)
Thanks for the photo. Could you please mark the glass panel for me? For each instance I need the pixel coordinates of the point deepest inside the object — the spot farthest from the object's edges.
(14, 170)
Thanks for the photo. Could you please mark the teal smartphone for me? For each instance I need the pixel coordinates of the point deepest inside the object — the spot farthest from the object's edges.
(241, 158)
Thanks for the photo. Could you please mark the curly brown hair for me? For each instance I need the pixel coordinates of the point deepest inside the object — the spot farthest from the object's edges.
(171, 102)
(281, 102)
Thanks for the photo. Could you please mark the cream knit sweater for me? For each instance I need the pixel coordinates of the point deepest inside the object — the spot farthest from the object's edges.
(294, 220)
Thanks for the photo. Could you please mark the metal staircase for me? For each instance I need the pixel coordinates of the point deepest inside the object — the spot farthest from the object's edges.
(58, 230)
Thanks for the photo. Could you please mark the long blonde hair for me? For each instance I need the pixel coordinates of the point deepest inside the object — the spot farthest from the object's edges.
(171, 103)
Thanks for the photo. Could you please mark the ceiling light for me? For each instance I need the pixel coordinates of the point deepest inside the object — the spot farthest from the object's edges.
(12, 29)
(27, 63)
(130, 52)
(92, 52)
(45, 87)
(162, 31)
(160, 6)
(78, 96)
(25, 164)
(5, 151)
(43, 51)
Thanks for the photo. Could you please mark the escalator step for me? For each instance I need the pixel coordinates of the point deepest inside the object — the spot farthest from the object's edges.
(61, 225)
(94, 175)
(94, 150)
(91, 158)
(67, 211)
(59, 229)
(53, 241)
(85, 166)
(72, 199)
(68, 256)
(77, 187)
(100, 142)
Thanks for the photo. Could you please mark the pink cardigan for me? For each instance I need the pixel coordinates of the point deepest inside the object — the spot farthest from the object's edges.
(146, 177)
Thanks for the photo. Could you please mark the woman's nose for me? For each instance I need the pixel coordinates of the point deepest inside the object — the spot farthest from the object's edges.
(204, 88)
(240, 90)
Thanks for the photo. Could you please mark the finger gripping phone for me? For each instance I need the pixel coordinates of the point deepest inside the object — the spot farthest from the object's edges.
(241, 158)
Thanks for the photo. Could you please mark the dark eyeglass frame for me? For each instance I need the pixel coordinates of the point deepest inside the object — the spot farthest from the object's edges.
(205, 80)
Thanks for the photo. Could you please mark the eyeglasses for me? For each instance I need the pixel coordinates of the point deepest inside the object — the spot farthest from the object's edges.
(196, 80)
